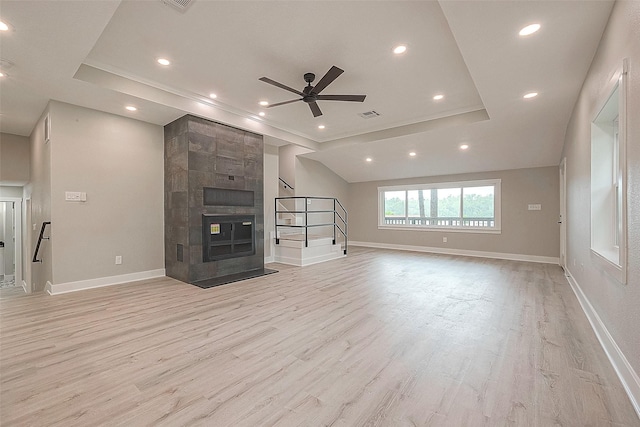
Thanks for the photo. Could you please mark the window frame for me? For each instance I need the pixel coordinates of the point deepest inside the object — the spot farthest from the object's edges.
(604, 256)
(497, 206)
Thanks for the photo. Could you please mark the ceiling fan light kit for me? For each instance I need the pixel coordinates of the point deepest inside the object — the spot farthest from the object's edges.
(311, 94)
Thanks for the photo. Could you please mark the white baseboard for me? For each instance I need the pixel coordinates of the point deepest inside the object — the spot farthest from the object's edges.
(269, 259)
(628, 377)
(462, 252)
(63, 288)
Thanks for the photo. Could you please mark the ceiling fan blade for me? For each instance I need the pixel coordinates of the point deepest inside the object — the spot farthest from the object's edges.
(280, 85)
(354, 98)
(283, 103)
(315, 109)
(326, 80)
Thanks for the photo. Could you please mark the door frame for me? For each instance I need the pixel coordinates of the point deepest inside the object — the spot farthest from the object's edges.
(563, 213)
(17, 224)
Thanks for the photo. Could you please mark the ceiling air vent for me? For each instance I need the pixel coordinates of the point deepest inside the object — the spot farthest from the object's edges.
(181, 5)
(369, 114)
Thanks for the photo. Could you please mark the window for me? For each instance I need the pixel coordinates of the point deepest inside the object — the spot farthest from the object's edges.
(455, 206)
(608, 180)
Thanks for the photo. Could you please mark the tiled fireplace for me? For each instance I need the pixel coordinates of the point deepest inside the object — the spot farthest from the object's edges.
(214, 216)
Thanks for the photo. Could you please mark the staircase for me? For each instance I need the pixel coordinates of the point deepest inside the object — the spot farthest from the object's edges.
(309, 230)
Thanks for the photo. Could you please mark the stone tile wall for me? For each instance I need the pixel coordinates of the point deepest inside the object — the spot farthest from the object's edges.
(201, 153)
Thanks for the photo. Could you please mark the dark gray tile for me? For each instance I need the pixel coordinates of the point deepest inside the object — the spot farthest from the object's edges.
(223, 181)
(229, 166)
(202, 143)
(198, 179)
(230, 149)
(203, 162)
(195, 234)
(202, 127)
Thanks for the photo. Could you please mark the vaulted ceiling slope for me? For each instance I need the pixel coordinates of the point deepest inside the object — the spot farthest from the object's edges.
(103, 55)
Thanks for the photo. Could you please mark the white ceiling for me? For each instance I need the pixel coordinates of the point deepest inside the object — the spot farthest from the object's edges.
(102, 55)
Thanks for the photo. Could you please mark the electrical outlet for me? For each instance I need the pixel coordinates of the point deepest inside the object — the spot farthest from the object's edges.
(444, 240)
(118, 259)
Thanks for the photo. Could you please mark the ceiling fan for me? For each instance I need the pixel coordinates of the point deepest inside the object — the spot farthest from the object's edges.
(311, 94)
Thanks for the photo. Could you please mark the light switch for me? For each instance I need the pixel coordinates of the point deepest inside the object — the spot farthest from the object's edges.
(75, 196)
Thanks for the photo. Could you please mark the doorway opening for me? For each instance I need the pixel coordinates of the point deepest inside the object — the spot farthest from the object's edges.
(11, 243)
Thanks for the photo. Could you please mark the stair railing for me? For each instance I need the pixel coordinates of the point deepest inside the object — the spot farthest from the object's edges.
(286, 184)
(339, 224)
(40, 239)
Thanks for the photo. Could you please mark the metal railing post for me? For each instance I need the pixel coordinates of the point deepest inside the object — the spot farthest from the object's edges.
(275, 211)
(306, 223)
(334, 221)
(346, 231)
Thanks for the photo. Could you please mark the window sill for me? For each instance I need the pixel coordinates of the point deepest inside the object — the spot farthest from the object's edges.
(446, 229)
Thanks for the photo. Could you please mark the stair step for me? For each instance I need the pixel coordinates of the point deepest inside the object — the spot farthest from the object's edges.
(319, 249)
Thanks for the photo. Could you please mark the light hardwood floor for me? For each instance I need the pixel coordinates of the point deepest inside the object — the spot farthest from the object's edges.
(378, 338)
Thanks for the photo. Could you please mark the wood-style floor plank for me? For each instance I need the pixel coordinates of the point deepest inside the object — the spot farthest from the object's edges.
(379, 338)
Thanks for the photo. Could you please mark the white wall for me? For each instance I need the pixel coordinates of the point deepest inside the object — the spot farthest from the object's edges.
(616, 305)
(315, 179)
(119, 163)
(287, 164)
(14, 159)
(10, 191)
(270, 194)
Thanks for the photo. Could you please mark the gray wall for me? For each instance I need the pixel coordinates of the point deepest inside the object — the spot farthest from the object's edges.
(118, 162)
(14, 159)
(39, 191)
(524, 232)
(617, 305)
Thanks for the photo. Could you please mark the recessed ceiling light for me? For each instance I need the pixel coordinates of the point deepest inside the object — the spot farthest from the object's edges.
(438, 97)
(264, 103)
(4, 26)
(164, 61)
(130, 108)
(321, 127)
(412, 153)
(261, 114)
(530, 95)
(369, 159)
(464, 146)
(2, 74)
(400, 49)
(529, 29)
(213, 96)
